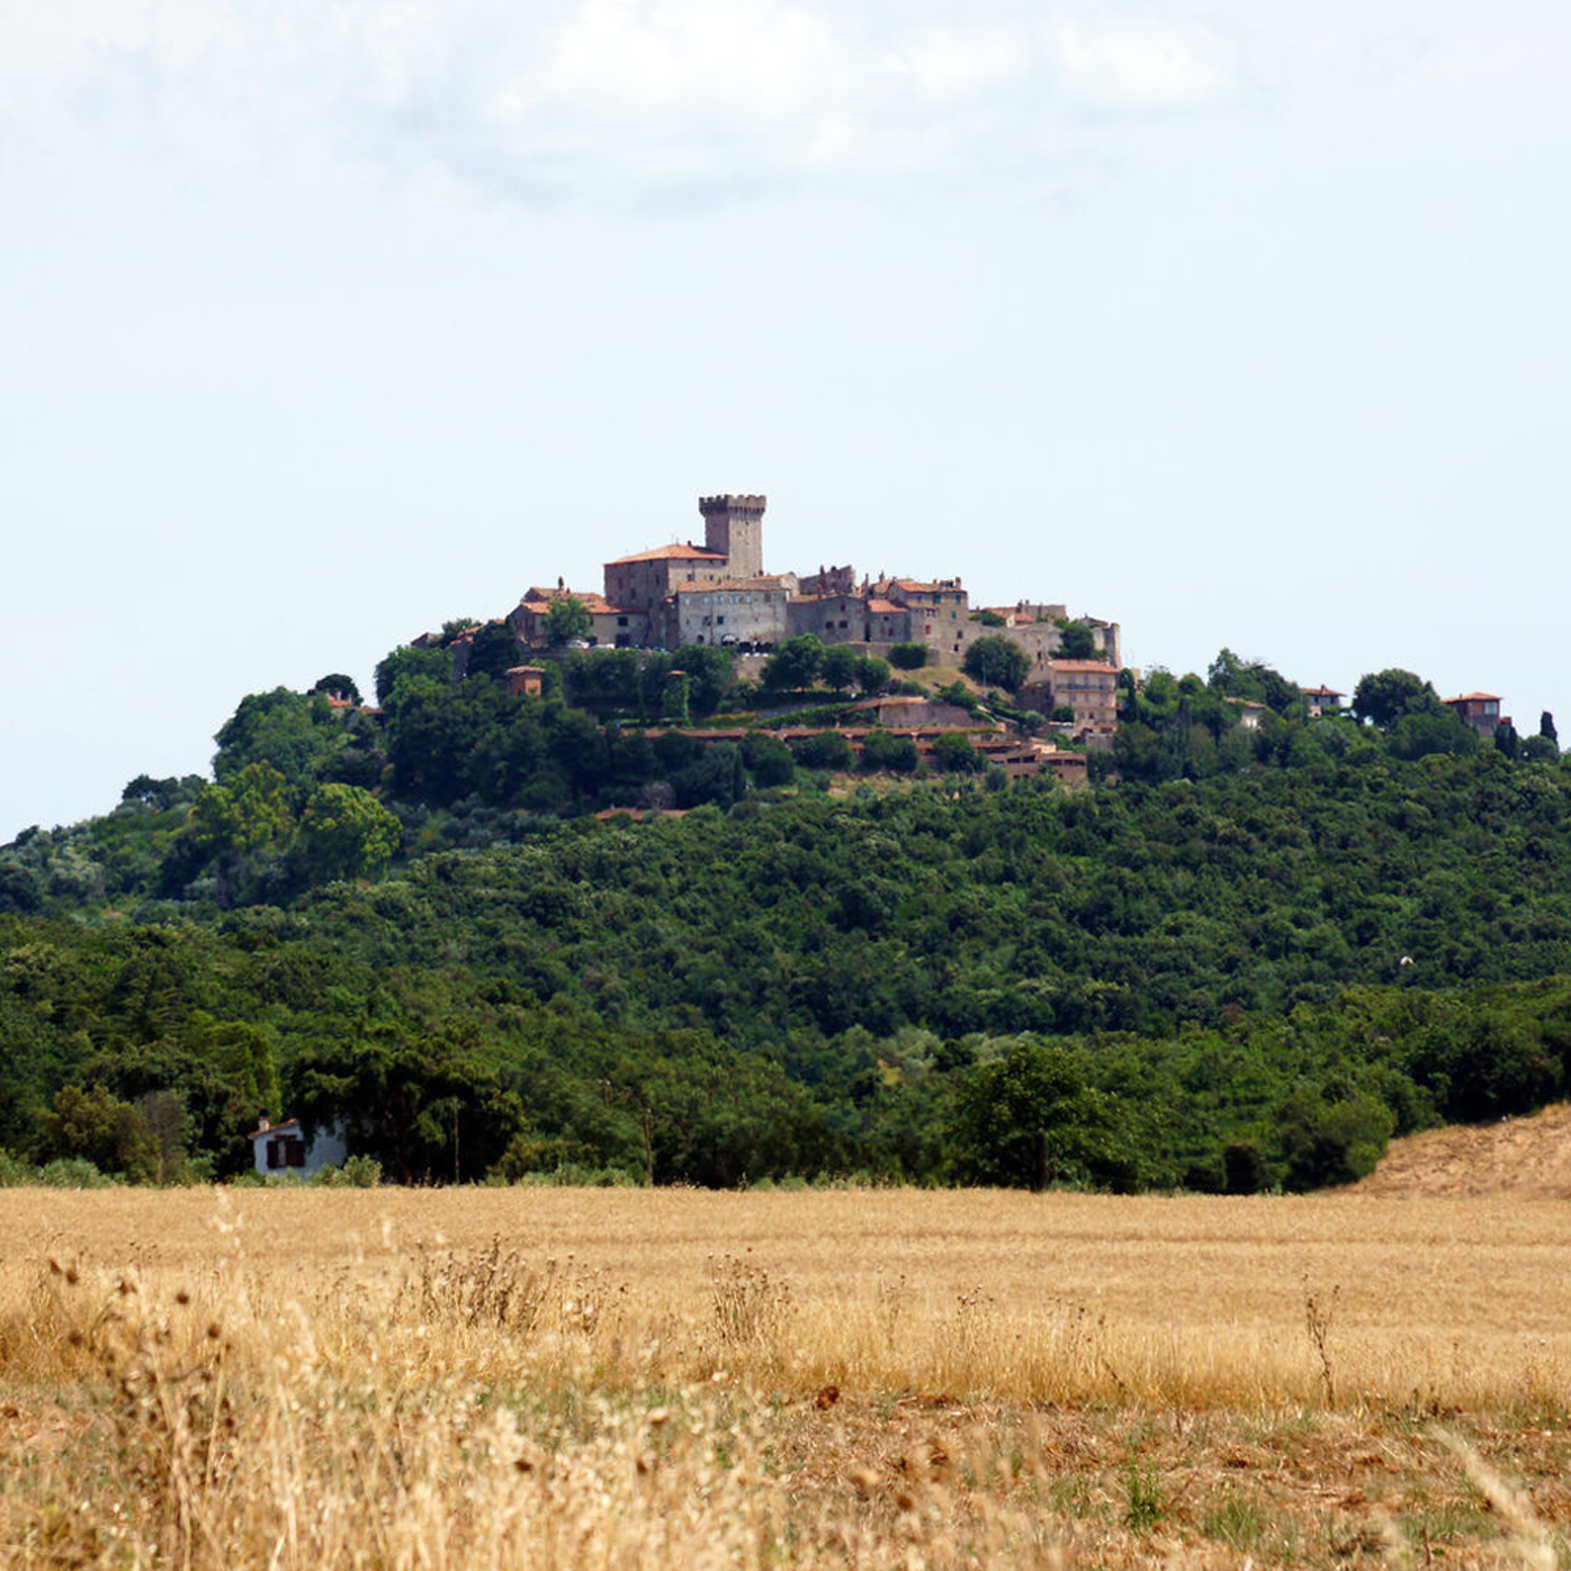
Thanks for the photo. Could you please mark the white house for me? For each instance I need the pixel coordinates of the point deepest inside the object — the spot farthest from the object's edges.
(284, 1148)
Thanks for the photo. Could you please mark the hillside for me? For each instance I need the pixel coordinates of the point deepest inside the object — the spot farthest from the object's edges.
(1530, 1157)
(1244, 960)
(1236, 983)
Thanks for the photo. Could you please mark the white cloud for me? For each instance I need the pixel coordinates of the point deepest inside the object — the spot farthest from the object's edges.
(1113, 64)
(634, 101)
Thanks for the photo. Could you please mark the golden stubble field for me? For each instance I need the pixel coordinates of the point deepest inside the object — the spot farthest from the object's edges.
(550, 1377)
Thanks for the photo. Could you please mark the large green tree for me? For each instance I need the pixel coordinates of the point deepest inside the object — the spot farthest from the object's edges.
(995, 661)
(1384, 697)
(710, 675)
(288, 731)
(1030, 1118)
(493, 651)
(795, 664)
(1076, 641)
(837, 669)
(566, 619)
(408, 664)
(345, 832)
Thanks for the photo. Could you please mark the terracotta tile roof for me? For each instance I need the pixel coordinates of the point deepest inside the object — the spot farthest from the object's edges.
(884, 608)
(539, 601)
(914, 586)
(1320, 692)
(1473, 698)
(681, 553)
(594, 604)
(288, 1126)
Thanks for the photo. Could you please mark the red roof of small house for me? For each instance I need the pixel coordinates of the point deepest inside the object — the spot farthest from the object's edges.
(286, 1126)
(1320, 692)
(684, 553)
(1473, 698)
(884, 608)
(539, 601)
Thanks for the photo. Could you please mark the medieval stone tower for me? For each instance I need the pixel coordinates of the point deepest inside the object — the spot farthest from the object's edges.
(734, 526)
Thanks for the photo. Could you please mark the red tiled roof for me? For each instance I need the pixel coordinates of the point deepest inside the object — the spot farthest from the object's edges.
(884, 608)
(591, 600)
(1320, 692)
(682, 553)
(1473, 698)
(288, 1126)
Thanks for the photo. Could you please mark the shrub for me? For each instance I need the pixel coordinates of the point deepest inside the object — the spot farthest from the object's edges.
(954, 754)
(358, 1172)
(884, 750)
(823, 750)
(768, 759)
(1244, 1169)
(71, 1172)
(908, 657)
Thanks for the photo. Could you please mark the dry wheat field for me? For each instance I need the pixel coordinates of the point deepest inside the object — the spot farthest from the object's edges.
(617, 1378)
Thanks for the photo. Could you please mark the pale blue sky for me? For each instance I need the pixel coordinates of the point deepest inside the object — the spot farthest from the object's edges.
(320, 324)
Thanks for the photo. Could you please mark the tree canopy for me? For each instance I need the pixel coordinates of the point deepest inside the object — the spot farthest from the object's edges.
(996, 661)
(567, 618)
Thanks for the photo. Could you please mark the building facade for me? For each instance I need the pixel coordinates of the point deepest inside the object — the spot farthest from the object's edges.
(718, 593)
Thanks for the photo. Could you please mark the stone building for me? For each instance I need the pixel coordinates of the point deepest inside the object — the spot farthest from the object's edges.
(749, 613)
(1089, 687)
(643, 582)
(1321, 700)
(610, 626)
(1480, 712)
(719, 593)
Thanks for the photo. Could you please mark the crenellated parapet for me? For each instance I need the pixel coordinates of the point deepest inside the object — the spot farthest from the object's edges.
(734, 529)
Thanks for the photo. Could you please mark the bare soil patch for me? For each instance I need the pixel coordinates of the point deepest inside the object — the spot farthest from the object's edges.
(1529, 1157)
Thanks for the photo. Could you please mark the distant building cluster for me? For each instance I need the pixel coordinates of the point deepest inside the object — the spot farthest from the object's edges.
(718, 594)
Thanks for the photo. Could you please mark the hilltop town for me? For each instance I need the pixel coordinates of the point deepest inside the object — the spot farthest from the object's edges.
(719, 595)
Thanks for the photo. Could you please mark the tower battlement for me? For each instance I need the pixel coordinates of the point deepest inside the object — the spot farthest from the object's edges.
(734, 527)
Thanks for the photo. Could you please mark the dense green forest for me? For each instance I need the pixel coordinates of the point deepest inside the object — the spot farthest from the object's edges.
(1242, 961)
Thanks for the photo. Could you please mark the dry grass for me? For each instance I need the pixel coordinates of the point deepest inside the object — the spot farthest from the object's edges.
(1520, 1156)
(520, 1377)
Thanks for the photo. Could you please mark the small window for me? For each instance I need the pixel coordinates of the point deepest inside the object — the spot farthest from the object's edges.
(294, 1153)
